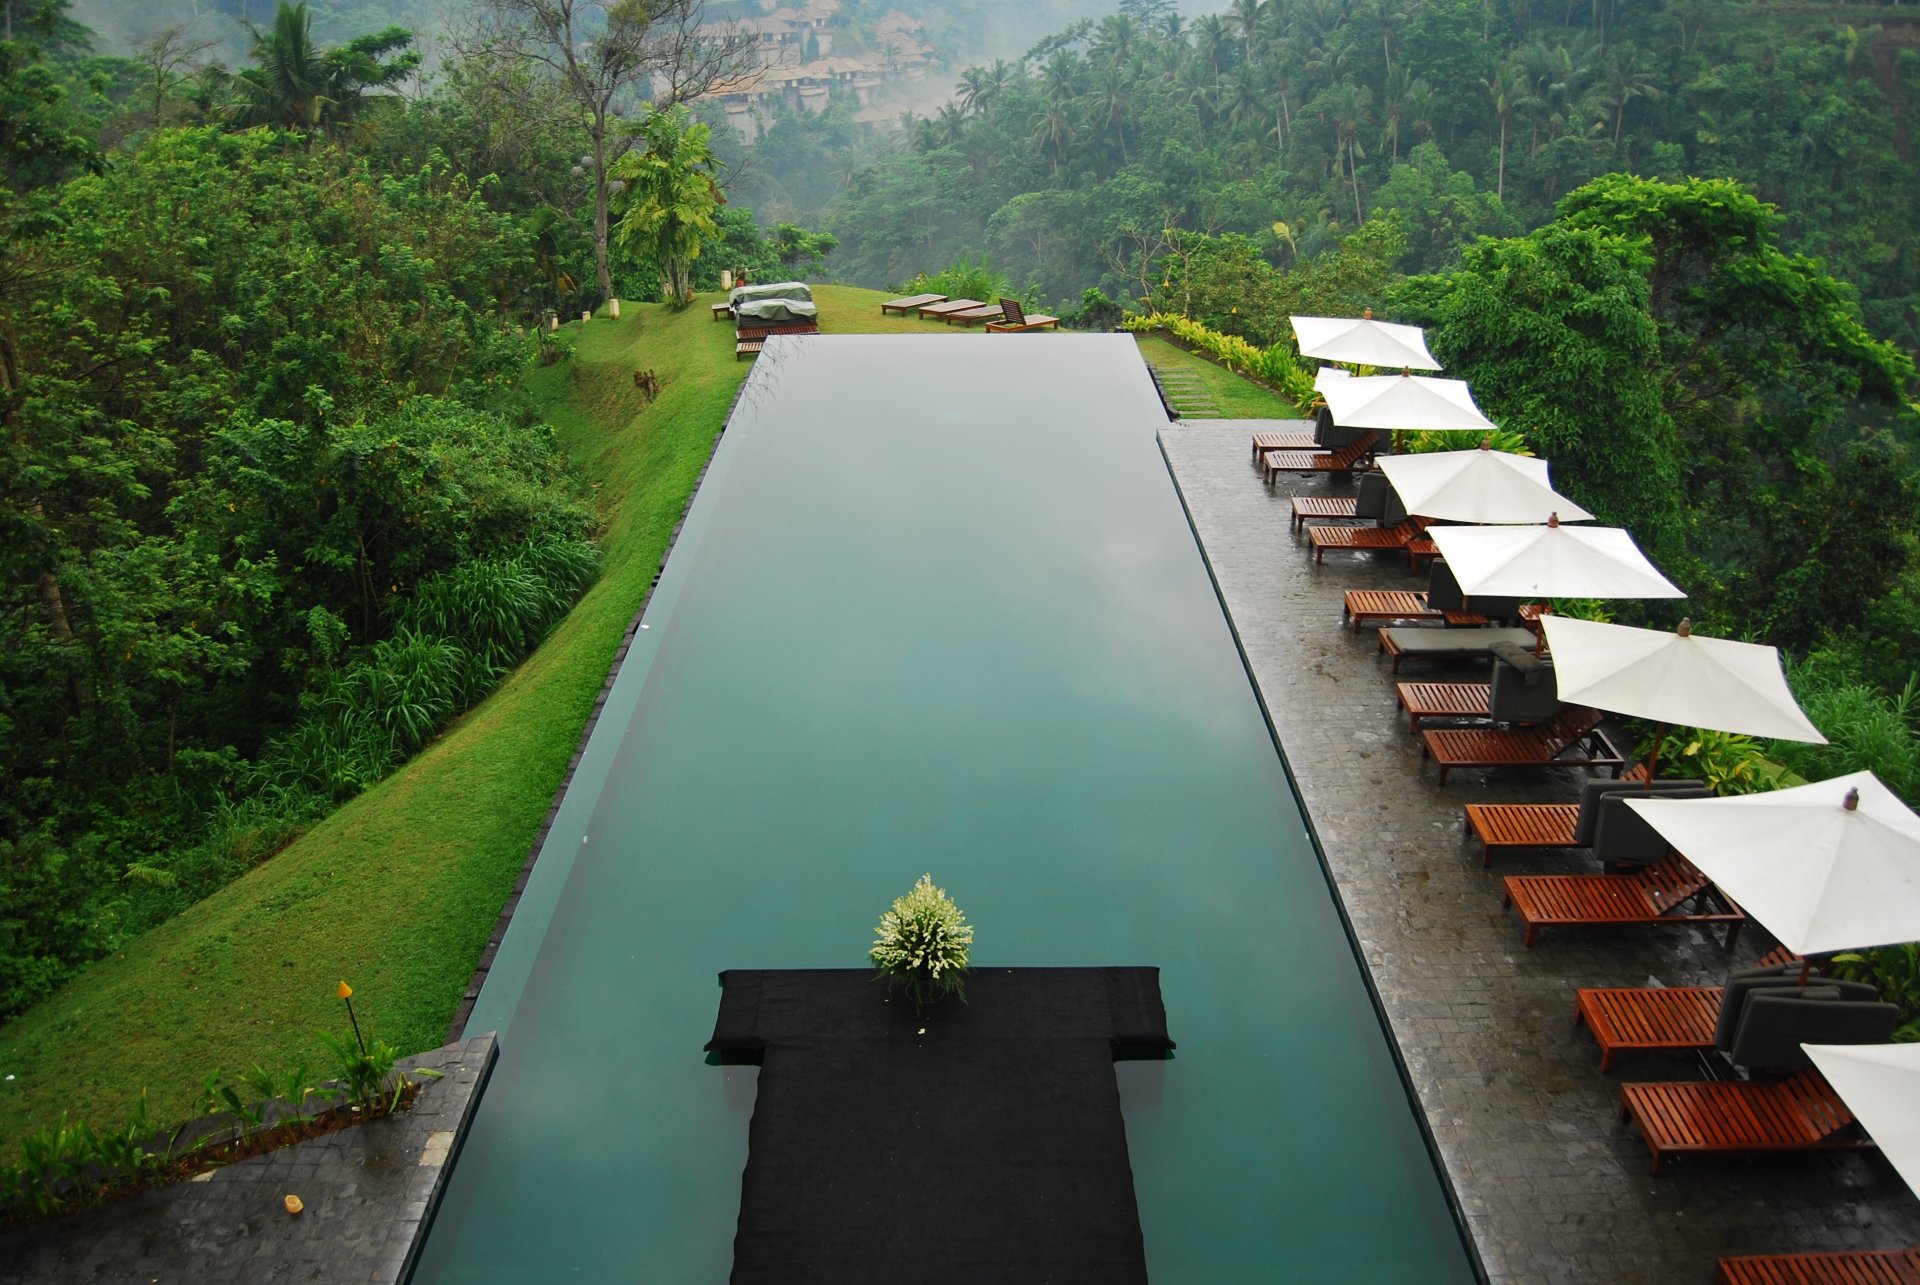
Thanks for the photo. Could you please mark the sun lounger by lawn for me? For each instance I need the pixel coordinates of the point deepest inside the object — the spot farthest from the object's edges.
(780, 328)
(974, 316)
(1657, 895)
(1347, 459)
(1017, 318)
(910, 303)
(938, 310)
(1265, 442)
(1845, 1267)
(1413, 642)
(1742, 1117)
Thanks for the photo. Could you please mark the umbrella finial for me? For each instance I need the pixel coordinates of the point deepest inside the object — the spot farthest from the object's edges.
(1852, 802)
(1486, 443)
(1366, 314)
(1686, 627)
(1553, 519)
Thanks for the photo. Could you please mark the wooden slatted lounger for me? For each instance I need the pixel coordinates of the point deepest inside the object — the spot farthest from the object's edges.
(938, 310)
(1655, 895)
(974, 315)
(778, 328)
(1363, 538)
(1316, 506)
(1846, 1267)
(910, 303)
(1638, 1019)
(1443, 700)
(1018, 318)
(1348, 459)
(1572, 739)
(1265, 442)
(1530, 825)
(1360, 606)
(722, 310)
(1741, 1117)
(748, 348)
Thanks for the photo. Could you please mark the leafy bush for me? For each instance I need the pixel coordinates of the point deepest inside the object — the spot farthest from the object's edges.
(923, 944)
(1866, 729)
(964, 278)
(1896, 971)
(1726, 761)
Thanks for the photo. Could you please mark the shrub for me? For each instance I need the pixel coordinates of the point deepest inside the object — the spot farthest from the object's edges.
(964, 278)
(1276, 367)
(923, 944)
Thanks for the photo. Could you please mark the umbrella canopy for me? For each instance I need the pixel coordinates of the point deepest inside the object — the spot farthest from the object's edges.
(1364, 342)
(1834, 865)
(1676, 677)
(1550, 561)
(1478, 486)
(1879, 1083)
(1403, 401)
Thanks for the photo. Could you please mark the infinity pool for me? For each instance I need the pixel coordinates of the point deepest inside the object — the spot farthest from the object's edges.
(937, 608)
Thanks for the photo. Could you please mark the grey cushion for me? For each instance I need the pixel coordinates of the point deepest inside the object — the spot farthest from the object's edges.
(1592, 791)
(1622, 837)
(1414, 641)
(1776, 1021)
(1443, 591)
(1743, 985)
(1396, 510)
(1370, 501)
(1523, 688)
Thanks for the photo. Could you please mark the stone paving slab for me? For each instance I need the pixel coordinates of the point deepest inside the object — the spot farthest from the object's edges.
(368, 1192)
(1552, 1185)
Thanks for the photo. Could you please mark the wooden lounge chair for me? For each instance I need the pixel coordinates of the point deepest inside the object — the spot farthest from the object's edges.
(1375, 606)
(1572, 739)
(1844, 1267)
(1660, 894)
(1265, 442)
(973, 316)
(938, 310)
(1350, 458)
(1638, 1019)
(748, 348)
(1741, 1117)
(1017, 318)
(1363, 538)
(1503, 826)
(1443, 700)
(910, 303)
(778, 328)
(1416, 642)
(1321, 506)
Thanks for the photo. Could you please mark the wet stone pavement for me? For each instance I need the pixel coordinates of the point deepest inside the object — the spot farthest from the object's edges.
(1554, 1187)
(367, 1191)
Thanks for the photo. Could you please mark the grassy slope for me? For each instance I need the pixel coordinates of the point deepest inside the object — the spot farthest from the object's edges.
(1236, 397)
(397, 892)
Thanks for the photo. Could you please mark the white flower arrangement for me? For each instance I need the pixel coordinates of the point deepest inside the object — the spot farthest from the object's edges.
(923, 944)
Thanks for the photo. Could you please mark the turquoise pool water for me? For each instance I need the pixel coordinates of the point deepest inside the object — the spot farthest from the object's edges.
(937, 608)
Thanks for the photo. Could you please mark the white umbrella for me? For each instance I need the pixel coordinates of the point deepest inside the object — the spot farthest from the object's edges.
(1403, 401)
(1363, 341)
(1478, 486)
(1677, 677)
(1880, 1084)
(1550, 561)
(1834, 865)
(1326, 374)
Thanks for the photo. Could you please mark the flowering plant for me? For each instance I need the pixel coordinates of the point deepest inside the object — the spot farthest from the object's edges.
(922, 943)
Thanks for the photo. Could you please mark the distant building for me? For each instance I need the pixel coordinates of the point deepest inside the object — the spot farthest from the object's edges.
(792, 64)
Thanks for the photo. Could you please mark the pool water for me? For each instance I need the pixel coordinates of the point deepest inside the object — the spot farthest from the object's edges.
(937, 608)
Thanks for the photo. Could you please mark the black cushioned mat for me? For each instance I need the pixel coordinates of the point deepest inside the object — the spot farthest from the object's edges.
(988, 1148)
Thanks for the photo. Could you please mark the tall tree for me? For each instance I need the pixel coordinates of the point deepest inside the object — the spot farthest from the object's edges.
(607, 57)
(295, 84)
(670, 196)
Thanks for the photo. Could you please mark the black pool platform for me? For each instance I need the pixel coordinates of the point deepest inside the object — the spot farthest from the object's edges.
(980, 1141)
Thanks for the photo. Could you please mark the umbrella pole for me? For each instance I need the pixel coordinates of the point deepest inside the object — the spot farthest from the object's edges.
(1805, 963)
(1653, 759)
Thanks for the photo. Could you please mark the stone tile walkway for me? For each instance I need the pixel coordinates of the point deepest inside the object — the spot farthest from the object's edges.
(367, 1191)
(1553, 1186)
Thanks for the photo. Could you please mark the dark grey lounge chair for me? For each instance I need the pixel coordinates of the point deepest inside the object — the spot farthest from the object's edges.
(1523, 689)
(1446, 644)
(1766, 1014)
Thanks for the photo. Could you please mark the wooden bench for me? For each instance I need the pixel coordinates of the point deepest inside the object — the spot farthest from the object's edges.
(722, 310)
(1443, 700)
(1378, 605)
(748, 348)
(1655, 895)
(1572, 739)
(778, 328)
(974, 315)
(1014, 317)
(1842, 1267)
(904, 306)
(944, 307)
(1742, 1117)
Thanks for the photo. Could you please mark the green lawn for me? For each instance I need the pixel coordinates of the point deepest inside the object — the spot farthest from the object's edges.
(1236, 397)
(398, 891)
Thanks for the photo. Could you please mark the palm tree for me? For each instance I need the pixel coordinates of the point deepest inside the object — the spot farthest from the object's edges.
(1245, 14)
(1628, 77)
(1114, 42)
(1053, 131)
(952, 124)
(1351, 107)
(1507, 89)
(1214, 42)
(972, 88)
(1110, 106)
(670, 196)
(1393, 105)
(1419, 107)
(294, 83)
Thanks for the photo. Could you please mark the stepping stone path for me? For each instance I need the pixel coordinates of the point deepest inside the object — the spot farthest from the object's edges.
(1186, 391)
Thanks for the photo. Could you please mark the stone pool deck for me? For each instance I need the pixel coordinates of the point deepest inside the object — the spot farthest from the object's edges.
(1553, 1186)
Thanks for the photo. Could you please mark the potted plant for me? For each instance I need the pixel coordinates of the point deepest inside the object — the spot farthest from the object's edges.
(922, 945)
